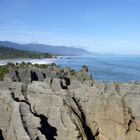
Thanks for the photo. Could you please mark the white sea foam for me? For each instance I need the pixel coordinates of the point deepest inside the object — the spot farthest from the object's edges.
(33, 61)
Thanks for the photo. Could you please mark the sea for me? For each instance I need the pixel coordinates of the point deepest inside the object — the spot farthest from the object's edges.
(101, 67)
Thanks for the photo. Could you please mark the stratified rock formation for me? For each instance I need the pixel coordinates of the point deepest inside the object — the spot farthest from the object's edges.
(60, 104)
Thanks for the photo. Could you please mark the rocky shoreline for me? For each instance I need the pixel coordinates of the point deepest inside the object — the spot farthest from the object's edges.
(51, 103)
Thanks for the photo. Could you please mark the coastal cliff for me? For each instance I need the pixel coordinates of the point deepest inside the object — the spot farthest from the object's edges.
(51, 103)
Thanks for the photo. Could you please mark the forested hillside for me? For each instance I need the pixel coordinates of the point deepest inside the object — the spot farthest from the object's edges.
(9, 53)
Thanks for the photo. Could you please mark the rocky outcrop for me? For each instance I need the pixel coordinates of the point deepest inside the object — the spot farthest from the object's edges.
(59, 104)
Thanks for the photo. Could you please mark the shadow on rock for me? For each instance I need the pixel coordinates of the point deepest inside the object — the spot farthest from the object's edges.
(46, 129)
(34, 76)
(1, 136)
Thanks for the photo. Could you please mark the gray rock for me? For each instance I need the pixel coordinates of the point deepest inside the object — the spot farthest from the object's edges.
(58, 107)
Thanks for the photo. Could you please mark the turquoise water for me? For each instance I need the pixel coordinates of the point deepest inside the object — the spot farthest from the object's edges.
(106, 68)
(115, 68)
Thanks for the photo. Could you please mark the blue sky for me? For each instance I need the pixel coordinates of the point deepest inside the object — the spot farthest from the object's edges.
(105, 26)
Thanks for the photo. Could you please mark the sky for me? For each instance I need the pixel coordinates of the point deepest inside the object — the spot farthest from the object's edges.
(102, 26)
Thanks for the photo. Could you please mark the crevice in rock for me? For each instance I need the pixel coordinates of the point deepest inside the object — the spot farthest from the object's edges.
(97, 133)
(44, 75)
(1, 135)
(46, 129)
(51, 82)
(67, 80)
(17, 75)
(76, 120)
(34, 76)
(131, 124)
(86, 128)
(82, 113)
(14, 98)
(62, 85)
(37, 138)
(137, 130)
(17, 100)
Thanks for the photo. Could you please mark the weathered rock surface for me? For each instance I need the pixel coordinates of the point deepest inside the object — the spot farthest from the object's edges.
(39, 104)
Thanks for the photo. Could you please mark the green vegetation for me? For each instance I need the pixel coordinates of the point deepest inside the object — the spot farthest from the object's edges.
(11, 53)
(4, 69)
(44, 66)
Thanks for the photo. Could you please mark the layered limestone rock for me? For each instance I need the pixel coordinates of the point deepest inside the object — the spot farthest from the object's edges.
(53, 104)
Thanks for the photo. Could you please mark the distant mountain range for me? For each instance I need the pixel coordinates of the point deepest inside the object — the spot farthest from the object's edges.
(60, 50)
